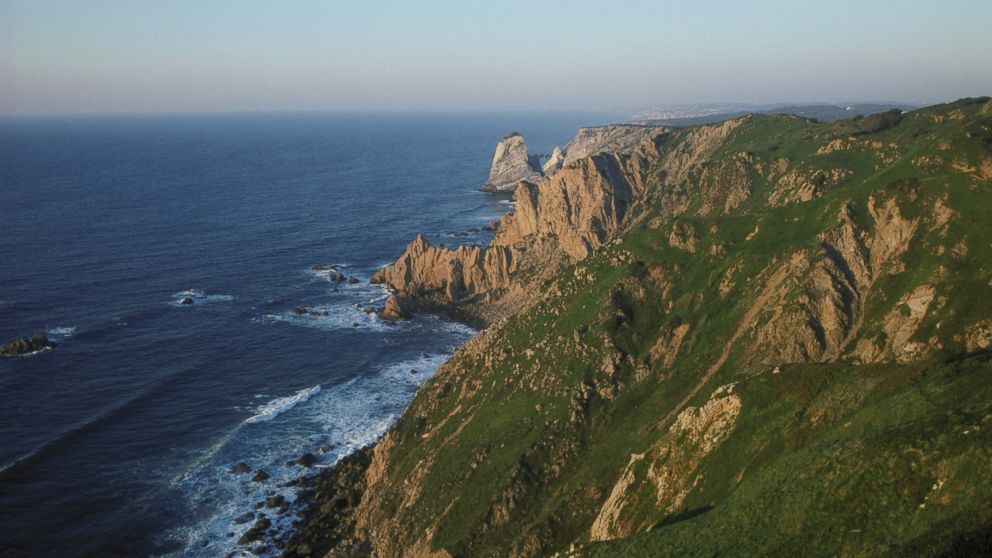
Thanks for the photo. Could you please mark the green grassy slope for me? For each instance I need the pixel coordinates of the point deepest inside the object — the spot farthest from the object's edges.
(880, 443)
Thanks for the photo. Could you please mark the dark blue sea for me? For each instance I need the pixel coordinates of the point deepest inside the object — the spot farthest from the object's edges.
(120, 441)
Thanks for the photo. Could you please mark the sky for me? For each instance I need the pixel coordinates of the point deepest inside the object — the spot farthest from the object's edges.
(124, 56)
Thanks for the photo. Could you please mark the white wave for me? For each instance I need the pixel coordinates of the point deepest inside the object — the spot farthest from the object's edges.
(325, 274)
(458, 328)
(338, 317)
(198, 297)
(273, 408)
(33, 353)
(414, 371)
(336, 421)
(63, 332)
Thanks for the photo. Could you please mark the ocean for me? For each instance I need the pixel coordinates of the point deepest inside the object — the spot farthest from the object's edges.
(121, 441)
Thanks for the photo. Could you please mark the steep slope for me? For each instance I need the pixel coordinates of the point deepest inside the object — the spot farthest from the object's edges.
(779, 346)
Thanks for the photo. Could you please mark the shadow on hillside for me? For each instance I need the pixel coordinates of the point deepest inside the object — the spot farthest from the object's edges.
(974, 543)
(684, 515)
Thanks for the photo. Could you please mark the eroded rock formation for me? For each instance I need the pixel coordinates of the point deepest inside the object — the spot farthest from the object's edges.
(557, 220)
(511, 164)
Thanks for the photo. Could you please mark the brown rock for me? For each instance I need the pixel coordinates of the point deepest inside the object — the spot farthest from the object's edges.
(393, 310)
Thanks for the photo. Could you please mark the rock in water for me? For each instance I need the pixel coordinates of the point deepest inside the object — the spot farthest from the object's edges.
(260, 475)
(307, 460)
(510, 165)
(393, 310)
(308, 311)
(332, 273)
(186, 300)
(36, 342)
(240, 468)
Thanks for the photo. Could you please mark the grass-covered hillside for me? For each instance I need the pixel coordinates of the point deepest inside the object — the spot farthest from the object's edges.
(785, 351)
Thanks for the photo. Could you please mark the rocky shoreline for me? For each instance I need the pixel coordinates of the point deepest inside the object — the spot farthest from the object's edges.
(328, 524)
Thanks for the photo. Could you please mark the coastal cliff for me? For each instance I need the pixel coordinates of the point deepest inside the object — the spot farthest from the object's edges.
(558, 220)
(764, 337)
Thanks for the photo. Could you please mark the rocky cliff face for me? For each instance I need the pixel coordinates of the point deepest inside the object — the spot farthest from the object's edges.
(616, 138)
(558, 220)
(511, 164)
(749, 373)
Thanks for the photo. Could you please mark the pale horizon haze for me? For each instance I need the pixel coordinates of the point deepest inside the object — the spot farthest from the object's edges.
(107, 56)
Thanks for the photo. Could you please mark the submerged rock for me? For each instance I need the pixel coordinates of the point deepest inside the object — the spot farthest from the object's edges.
(240, 468)
(308, 311)
(36, 342)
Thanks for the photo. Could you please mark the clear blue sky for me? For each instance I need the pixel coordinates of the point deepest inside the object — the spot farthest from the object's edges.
(84, 56)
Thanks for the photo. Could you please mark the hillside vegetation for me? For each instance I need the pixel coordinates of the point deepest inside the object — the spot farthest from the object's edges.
(779, 346)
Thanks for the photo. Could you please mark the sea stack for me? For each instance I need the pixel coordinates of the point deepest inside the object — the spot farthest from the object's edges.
(510, 165)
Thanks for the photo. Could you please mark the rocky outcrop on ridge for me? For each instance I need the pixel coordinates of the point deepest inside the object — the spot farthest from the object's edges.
(511, 164)
(554, 162)
(614, 138)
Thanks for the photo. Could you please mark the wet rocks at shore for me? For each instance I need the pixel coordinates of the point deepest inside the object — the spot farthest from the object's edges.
(328, 523)
(307, 460)
(260, 476)
(393, 310)
(256, 532)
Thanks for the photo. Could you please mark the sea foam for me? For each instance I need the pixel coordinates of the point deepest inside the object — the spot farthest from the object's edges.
(273, 408)
(198, 297)
(62, 332)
